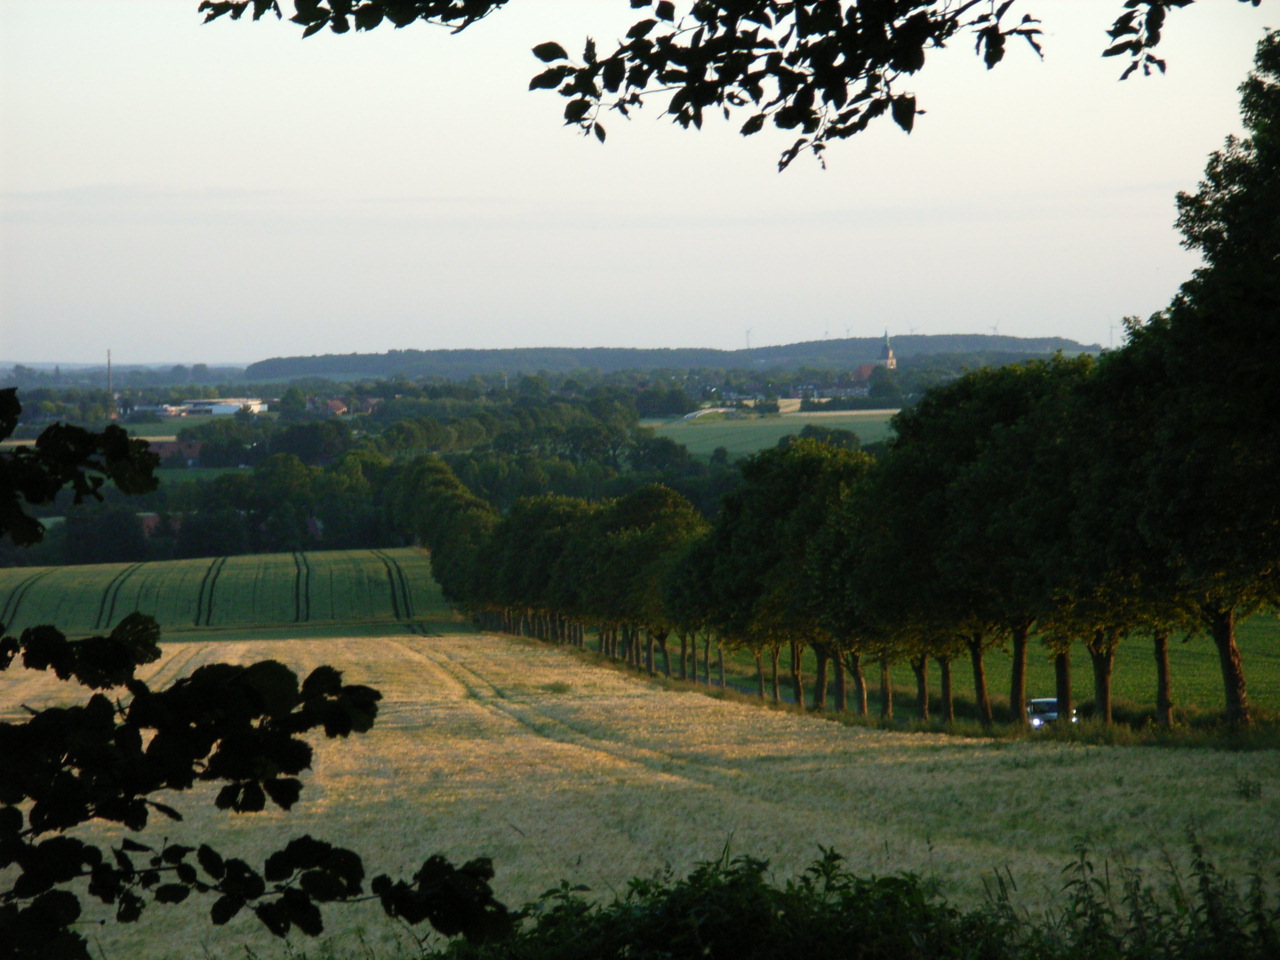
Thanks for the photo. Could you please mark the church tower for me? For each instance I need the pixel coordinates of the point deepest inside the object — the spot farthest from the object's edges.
(887, 359)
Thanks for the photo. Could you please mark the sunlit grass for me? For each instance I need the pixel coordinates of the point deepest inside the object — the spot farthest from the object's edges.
(1194, 666)
(557, 768)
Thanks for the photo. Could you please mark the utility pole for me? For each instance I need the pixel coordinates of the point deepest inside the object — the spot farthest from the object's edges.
(112, 412)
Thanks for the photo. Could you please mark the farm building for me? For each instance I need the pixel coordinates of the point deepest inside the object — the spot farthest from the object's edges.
(223, 406)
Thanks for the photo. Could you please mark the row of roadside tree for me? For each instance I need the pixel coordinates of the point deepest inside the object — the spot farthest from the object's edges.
(1069, 501)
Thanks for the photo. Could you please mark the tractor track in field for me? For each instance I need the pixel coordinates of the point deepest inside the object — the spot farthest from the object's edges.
(697, 773)
(174, 665)
(401, 599)
(18, 594)
(204, 601)
(302, 589)
(405, 591)
(107, 607)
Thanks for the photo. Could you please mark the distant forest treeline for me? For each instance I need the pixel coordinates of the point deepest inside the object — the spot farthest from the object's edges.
(820, 354)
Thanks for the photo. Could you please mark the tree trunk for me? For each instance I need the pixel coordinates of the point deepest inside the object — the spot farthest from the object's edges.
(1222, 624)
(720, 662)
(773, 657)
(1018, 676)
(886, 691)
(842, 687)
(948, 698)
(651, 652)
(981, 696)
(1164, 685)
(1062, 685)
(684, 655)
(666, 654)
(920, 667)
(854, 663)
(759, 671)
(797, 673)
(706, 658)
(820, 677)
(1102, 653)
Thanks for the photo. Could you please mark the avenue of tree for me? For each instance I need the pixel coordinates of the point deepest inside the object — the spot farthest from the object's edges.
(1077, 501)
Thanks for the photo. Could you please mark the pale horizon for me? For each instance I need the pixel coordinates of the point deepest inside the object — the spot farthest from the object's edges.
(187, 193)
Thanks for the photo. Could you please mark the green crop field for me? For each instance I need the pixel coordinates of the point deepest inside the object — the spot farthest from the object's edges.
(751, 434)
(312, 592)
(557, 768)
(167, 428)
(168, 476)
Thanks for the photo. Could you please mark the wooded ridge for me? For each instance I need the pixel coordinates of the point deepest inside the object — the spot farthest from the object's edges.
(819, 354)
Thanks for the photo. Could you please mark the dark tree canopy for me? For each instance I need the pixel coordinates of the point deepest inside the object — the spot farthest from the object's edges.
(825, 69)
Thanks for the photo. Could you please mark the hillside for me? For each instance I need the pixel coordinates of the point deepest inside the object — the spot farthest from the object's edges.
(818, 354)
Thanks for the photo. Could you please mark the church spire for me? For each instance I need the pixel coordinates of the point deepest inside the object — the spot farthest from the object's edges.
(887, 359)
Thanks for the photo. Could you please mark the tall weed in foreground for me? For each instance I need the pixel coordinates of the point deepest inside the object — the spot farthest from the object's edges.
(730, 908)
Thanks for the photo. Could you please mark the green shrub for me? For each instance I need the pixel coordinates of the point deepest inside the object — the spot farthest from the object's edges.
(730, 908)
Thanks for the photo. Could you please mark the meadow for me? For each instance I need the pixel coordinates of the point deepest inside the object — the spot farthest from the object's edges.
(349, 590)
(167, 428)
(741, 437)
(557, 768)
(168, 476)
(1193, 664)
(560, 767)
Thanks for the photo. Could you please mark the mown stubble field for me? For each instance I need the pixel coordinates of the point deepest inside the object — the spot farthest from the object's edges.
(558, 768)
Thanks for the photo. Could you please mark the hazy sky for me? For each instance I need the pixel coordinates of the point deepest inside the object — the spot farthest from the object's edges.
(229, 192)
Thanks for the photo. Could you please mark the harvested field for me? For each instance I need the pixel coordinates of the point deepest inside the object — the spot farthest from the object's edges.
(555, 768)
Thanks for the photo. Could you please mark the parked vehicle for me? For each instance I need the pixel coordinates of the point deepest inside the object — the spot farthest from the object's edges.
(1045, 710)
